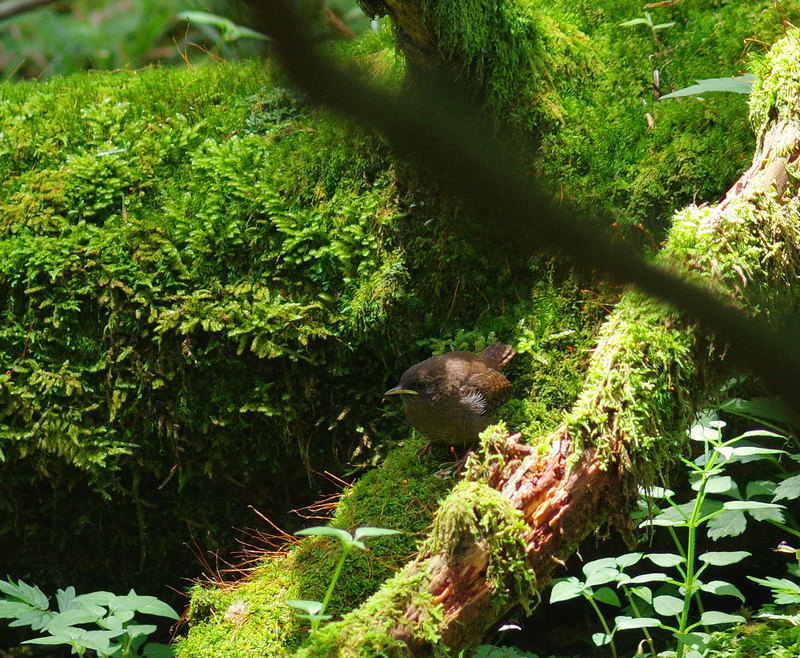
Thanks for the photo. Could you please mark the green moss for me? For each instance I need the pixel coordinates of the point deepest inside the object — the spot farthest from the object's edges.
(244, 620)
(776, 91)
(756, 640)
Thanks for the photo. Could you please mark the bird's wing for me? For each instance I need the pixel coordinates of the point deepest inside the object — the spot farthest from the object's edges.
(476, 401)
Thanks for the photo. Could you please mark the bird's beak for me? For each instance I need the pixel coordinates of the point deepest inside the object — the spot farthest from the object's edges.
(398, 390)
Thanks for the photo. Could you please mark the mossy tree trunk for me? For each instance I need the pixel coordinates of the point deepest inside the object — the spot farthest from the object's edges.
(517, 515)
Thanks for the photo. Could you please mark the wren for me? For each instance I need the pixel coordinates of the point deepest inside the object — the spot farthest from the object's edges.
(450, 398)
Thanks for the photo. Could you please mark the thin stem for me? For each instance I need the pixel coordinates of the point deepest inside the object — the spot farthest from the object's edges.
(605, 625)
(635, 608)
(345, 551)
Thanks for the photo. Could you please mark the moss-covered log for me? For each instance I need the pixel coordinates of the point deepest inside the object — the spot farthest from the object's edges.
(649, 373)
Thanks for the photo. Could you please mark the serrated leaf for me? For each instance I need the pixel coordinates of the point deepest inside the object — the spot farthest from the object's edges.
(789, 489)
(723, 558)
(760, 488)
(728, 523)
(713, 617)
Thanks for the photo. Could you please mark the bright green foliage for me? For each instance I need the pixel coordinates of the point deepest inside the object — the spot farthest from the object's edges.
(669, 598)
(116, 637)
(619, 149)
(200, 279)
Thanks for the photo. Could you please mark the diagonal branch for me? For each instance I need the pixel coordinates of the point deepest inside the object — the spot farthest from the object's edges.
(429, 124)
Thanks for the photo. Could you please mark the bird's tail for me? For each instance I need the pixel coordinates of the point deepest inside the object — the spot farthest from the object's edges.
(497, 355)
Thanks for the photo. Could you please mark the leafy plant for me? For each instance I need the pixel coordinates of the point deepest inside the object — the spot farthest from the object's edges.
(314, 611)
(226, 30)
(670, 606)
(118, 636)
(648, 21)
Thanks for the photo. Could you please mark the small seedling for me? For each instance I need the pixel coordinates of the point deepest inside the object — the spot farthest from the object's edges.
(314, 611)
(655, 28)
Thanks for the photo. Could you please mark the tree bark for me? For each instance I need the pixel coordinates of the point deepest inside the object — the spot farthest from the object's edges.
(518, 515)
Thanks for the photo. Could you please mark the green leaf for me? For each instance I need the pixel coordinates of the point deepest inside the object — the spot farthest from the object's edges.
(713, 617)
(65, 598)
(310, 607)
(665, 559)
(766, 408)
(327, 531)
(566, 589)
(150, 605)
(723, 558)
(654, 577)
(624, 623)
(157, 650)
(728, 523)
(599, 566)
(789, 489)
(668, 605)
(750, 505)
(26, 593)
(367, 531)
(601, 639)
(741, 84)
(72, 617)
(635, 21)
(628, 560)
(760, 488)
(644, 593)
(607, 595)
(695, 640)
(602, 576)
(751, 453)
(721, 588)
(721, 484)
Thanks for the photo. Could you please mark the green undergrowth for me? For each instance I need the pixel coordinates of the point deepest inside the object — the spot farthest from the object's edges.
(756, 639)
(206, 284)
(621, 151)
(401, 495)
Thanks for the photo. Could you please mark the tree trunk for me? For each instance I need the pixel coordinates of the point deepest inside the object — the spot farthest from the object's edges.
(518, 515)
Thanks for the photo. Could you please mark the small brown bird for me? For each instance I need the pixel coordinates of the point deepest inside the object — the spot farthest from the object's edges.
(449, 398)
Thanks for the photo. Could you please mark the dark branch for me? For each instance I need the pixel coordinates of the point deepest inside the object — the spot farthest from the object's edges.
(429, 124)
(12, 8)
